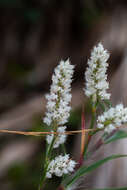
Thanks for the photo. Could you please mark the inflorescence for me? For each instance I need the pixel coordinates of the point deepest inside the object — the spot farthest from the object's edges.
(96, 84)
(60, 165)
(58, 112)
(58, 108)
(58, 105)
(112, 119)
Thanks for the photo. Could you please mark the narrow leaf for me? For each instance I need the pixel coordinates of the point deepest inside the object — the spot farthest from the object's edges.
(115, 188)
(83, 170)
(118, 135)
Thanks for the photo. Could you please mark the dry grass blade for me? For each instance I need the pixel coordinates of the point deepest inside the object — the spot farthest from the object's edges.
(30, 133)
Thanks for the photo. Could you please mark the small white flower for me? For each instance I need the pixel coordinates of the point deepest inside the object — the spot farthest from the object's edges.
(60, 165)
(100, 126)
(109, 128)
(60, 139)
(113, 118)
(96, 84)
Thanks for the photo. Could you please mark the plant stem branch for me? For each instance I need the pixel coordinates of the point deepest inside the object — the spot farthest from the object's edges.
(47, 159)
(91, 127)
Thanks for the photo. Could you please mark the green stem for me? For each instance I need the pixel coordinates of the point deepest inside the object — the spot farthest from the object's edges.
(47, 159)
(93, 119)
(48, 155)
(49, 149)
(102, 106)
(43, 177)
(63, 148)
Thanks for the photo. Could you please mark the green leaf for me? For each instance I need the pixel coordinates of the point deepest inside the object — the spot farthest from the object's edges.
(118, 135)
(83, 170)
(115, 188)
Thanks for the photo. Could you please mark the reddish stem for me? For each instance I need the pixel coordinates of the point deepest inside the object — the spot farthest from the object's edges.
(99, 143)
(80, 162)
(89, 138)
(60, 187)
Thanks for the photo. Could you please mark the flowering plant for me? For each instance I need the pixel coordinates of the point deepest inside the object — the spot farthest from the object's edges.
(109, 120)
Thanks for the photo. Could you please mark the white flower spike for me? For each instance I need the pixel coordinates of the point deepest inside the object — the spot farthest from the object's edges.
(58, 106)
(96, 84)
(112, 119)
(60, 165)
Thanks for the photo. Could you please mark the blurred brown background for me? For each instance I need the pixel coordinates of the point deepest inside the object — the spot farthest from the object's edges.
(34, 36)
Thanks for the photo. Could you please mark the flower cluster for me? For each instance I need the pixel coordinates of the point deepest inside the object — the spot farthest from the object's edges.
(60, 138)
(60, 165)
(113, 118)
(58, 108)
(96, 84)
